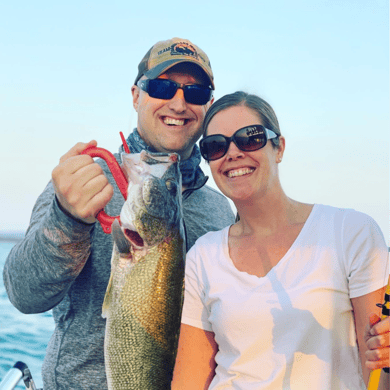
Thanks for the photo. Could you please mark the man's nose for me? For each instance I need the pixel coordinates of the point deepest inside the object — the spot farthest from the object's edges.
(178, 102)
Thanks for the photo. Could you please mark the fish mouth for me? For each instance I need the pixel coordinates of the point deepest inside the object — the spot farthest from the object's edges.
(135, 239)
(145, 225)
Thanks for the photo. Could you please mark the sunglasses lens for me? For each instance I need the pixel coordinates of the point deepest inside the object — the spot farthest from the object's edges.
(197, 94)
(213, 147)
(249, 140)
(166, 89)
(162, 89)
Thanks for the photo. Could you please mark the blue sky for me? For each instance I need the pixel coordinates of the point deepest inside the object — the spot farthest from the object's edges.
(67, 69)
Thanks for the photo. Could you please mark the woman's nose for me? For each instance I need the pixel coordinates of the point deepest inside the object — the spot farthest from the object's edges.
(234, 152)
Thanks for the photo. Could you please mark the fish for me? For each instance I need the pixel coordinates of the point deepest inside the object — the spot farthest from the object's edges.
(144, 297)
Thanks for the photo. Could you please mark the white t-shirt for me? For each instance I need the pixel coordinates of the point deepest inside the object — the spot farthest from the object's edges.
(293, 328)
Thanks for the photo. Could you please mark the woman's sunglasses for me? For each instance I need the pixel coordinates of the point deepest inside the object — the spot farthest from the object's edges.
(166, 89)
(248, 139)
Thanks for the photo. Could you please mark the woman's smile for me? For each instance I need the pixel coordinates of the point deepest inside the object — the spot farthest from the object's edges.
(237, 172)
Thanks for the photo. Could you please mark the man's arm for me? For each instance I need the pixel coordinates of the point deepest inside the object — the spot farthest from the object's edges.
(40, 269)
(363, 307)
(377, 337)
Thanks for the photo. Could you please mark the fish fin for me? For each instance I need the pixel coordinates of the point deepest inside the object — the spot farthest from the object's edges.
(107, 299)
(109, 291)
(119, 238)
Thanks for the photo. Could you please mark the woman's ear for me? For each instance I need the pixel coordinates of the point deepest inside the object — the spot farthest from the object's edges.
(280, 149)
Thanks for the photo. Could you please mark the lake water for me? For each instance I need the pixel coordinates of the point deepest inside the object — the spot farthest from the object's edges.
(23, 337)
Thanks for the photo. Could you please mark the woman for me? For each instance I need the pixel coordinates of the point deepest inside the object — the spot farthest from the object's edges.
(280, 299)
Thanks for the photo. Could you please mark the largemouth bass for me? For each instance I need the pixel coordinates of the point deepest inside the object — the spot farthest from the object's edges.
(144, 296)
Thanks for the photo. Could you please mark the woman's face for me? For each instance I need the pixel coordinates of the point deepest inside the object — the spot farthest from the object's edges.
(242, 175)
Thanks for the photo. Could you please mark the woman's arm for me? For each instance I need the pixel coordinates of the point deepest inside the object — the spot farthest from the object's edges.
(363, 307)
(195, 363)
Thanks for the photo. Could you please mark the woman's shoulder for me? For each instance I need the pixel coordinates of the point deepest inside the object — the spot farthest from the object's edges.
(210, 242)
(351, 222)
(212, 237)
(207, 252)
(348, 215)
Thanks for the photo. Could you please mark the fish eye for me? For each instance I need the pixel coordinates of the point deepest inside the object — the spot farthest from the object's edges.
(171, 186)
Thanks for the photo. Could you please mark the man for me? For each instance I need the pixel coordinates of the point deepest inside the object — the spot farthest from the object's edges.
(64, 261)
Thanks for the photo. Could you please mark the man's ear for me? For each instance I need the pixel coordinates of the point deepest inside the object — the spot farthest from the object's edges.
(135, 93)
(210, 103)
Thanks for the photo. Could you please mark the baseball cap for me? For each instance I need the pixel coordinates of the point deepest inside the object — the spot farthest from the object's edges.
(165, 54)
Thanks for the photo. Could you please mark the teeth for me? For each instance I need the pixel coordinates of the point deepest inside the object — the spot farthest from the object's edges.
(172, 121)
(239, 172)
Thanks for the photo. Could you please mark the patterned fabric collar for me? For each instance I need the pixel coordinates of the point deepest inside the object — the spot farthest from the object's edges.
(190, 170)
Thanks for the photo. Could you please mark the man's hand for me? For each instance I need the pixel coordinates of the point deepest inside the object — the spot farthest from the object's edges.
(377, 338)
(80, 185)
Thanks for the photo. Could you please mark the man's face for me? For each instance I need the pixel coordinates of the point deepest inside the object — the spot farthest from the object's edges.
(171, 125)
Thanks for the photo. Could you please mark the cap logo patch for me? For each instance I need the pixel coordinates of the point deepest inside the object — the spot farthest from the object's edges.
(181, 48)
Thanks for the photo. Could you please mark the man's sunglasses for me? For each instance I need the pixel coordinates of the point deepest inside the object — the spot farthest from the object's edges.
(166, 89)
(248, 139)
